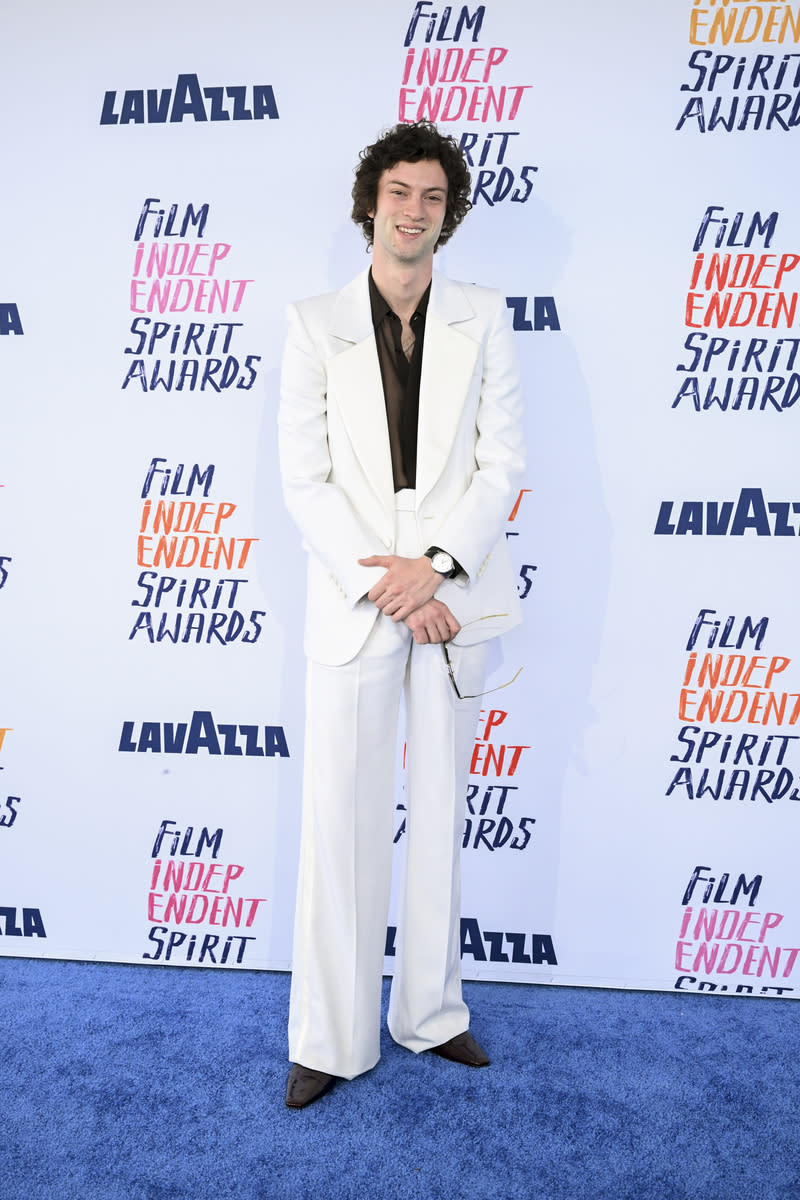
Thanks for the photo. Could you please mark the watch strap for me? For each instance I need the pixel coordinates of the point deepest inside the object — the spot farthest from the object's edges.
(434, 550)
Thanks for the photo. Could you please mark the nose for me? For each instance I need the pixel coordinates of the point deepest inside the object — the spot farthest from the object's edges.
(414, 207)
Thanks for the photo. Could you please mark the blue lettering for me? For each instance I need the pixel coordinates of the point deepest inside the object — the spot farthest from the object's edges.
(202, 734)
(188, 99)
(9, 319)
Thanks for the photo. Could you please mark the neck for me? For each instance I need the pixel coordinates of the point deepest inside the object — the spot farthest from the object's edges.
(402, 287)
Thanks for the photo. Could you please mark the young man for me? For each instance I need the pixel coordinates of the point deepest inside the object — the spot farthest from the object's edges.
(400, 441)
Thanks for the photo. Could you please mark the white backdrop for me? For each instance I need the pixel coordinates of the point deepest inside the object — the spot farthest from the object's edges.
(175, 174)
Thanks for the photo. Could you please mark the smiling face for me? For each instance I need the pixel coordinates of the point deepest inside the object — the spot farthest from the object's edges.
(410, 208)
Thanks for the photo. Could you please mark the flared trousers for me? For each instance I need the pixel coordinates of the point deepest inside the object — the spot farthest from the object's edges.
(347, 844)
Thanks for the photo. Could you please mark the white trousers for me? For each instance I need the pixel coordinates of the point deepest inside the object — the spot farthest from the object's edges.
(347, 838)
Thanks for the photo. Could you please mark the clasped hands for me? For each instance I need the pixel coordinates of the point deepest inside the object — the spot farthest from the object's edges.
(406, 593)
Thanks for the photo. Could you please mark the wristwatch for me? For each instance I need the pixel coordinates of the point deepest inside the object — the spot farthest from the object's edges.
(442, 562)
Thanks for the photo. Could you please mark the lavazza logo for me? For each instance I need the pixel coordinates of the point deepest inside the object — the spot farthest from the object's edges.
(188, 100)
(748, 513)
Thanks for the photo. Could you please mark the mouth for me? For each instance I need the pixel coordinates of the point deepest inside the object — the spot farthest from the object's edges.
(410, 230)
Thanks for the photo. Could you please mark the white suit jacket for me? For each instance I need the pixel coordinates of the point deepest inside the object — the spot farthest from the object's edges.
(336, 464)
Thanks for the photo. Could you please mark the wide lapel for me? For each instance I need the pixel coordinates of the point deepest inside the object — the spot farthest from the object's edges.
(355, 384)
(448, 361)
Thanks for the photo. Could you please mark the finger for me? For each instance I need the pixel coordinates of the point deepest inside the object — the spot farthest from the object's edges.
(452, 623)
(376, 560)
(407, 608)
(443, 632)
(431, 626)
(393, 607)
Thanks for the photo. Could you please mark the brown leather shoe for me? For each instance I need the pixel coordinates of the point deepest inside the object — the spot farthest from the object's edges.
(463, 1049)
(304, 1086)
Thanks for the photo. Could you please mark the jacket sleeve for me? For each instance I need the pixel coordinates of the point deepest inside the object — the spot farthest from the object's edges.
(472, 528)
(330, 527)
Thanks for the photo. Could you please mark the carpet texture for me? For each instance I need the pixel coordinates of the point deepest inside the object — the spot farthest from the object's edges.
(151, 1083)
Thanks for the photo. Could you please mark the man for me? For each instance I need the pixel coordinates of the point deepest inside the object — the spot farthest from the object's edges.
(400, 442)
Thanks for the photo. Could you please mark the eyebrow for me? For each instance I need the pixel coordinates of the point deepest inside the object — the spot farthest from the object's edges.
(436, 187)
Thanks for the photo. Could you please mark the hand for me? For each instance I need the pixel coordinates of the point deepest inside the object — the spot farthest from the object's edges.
(432, 623)
(407, 585)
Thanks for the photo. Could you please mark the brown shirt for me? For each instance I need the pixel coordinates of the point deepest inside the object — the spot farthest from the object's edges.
(401, 377)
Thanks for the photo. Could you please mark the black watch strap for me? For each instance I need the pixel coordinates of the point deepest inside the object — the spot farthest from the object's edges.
(431, 553)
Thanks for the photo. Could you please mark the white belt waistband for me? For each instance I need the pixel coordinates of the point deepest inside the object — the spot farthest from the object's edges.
(405, 500)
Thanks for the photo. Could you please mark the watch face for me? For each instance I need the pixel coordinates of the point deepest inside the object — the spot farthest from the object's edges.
(442, 562)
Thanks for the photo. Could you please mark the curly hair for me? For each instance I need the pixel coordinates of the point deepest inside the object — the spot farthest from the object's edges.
(412, 142)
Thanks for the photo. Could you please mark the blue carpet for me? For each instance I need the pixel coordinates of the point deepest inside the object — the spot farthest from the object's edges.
(135, 1083)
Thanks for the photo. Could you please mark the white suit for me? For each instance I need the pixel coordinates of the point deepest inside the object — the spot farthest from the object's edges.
(337, 478)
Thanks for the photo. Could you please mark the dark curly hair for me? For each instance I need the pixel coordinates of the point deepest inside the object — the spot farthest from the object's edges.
(412, 142)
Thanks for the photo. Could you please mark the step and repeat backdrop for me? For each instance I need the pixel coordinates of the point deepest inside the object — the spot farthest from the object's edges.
(174, 174)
